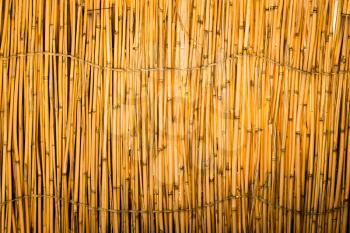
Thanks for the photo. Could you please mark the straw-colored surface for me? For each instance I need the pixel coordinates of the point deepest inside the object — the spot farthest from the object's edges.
(174, 116)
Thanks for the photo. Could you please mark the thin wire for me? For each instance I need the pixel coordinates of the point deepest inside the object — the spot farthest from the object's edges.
(302, 212)
(211, 204)
(137, 70)
(208, 205)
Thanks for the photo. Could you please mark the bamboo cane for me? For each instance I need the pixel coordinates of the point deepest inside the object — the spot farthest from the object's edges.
(174, 116)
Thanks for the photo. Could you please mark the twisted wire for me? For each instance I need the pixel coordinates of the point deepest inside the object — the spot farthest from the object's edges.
(165, 69)
(190, 209)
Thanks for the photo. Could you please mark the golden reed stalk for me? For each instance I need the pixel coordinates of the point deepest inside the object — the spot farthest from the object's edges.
(174, 116)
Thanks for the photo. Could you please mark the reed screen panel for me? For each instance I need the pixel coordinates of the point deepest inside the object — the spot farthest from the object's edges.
(174, 116)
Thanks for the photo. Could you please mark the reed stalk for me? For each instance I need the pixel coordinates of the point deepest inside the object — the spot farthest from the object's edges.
(174, 116)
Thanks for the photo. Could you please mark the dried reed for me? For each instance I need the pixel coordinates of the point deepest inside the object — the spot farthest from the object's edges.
(174, 116)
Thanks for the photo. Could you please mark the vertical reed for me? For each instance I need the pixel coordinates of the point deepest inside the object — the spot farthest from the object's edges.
(174, 116)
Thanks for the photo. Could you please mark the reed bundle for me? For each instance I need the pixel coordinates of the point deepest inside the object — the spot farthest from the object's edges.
(175, 116)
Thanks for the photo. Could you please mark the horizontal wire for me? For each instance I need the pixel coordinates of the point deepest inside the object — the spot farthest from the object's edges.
(131, 70)
(302, 212)
(208, 205)
(120, 210)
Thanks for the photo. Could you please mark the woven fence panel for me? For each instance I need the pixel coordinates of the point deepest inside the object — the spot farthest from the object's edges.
(174, 116)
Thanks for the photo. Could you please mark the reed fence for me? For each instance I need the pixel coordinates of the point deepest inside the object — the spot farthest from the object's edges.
(174, 116)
